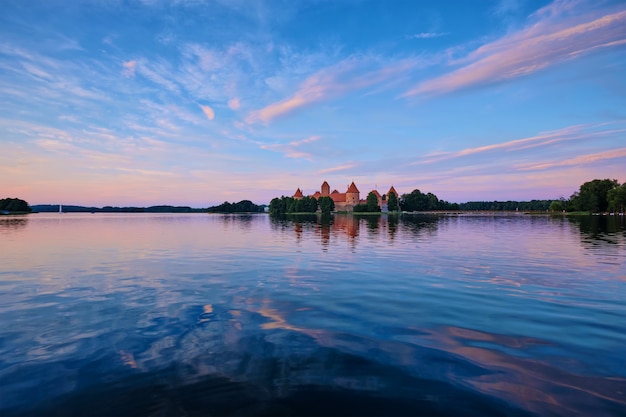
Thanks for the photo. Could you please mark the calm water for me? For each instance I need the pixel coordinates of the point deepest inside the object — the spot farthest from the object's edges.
(133, 314)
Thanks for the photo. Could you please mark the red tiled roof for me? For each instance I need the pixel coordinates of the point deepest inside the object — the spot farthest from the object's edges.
(376, 193)
(338, 197)
(352, 188)
(298, 193)
(392, 190)
(335, 192)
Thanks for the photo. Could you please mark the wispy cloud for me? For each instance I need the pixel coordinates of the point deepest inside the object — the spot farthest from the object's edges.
(129, 68)
(570, 133)
(338, 168)
(293, 148)
(427, 35)
(351, 74)
(554, 36)
(576, 161)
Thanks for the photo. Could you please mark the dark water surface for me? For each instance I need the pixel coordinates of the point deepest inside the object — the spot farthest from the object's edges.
(185, 315)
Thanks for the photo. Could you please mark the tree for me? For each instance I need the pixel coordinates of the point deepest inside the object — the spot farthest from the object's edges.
(557, 205)
(617, 198)
(593, 196)
(372, 202)
(14, 205)
(416, 201)
(326, 204)
(392, 203)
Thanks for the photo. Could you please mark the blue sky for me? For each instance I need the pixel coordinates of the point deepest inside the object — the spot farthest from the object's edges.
(195, 103)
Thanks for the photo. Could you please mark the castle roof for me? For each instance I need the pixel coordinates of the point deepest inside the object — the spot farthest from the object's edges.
(338, 197)
(352, 188)
(325, 184)
(376, 193)
(393, 190)
(298, 193)
(335, 192)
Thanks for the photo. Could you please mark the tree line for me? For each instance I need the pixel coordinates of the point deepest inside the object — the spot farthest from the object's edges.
(596, 196)
(244, 206)
(14, 205)
(286, 205)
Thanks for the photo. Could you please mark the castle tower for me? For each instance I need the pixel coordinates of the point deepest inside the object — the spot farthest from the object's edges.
(352, 194)
(298, 194)
(325, 188)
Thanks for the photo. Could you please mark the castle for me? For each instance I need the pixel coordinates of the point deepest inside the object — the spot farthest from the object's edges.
(346, 201)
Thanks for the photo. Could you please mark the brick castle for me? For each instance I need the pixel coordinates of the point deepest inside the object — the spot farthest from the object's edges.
(346, 201)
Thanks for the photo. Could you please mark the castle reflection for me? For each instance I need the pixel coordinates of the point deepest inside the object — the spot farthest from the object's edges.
(354, 228)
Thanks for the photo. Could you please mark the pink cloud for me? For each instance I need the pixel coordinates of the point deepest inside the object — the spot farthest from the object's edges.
(291, 149)
(208, 112)
(570, 133)
(578, 160)
(328, 83)
(336, 169)
(556, 36)
(129, 68)
(234, 103)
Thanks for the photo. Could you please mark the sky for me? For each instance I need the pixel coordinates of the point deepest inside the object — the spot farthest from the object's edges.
(189, 102)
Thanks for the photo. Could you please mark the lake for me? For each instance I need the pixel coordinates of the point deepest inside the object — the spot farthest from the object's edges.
(197, 314)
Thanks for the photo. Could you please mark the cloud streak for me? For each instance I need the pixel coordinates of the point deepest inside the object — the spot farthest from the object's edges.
(427, 35)
(328, 83)
(554, 37)
(578, 160)
(570, 133)
(292, 149)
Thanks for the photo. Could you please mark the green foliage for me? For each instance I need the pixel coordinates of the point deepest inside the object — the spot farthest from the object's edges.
(418, 201)
(14, 205)
(285, 205)
(557, 205)
(326, 204)
(372, 203)
(360, 208)
(392, 203)
(617, 198)
(593, 196)
(244, 206)
(533, 205)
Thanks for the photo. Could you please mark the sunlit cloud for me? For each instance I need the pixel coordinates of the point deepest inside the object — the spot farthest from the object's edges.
(129, 68)
(208, 112)
(338, 168)
(554, 37)
(579, 160)
(234, 104)
(570, 133)
(292, 149)
(331, 82)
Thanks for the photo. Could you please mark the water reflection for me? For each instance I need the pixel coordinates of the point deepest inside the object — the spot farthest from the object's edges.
(349, 227)
(311, 315)
(10, 224)
(610, 229)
